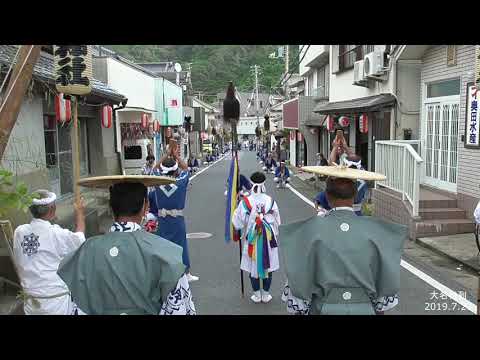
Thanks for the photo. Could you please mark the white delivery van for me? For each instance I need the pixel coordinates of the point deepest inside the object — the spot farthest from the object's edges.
(135, 156)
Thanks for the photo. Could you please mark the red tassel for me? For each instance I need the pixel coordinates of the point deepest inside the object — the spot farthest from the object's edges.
(236, 236)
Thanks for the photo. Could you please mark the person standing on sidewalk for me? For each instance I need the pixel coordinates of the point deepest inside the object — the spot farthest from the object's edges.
(167, 203)
(258, 219)
(38, 249)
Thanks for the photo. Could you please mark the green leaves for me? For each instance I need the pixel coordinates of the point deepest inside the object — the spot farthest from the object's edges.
(13, 196)
(214, 65)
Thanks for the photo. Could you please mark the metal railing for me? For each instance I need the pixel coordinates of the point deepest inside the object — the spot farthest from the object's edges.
(402, 166)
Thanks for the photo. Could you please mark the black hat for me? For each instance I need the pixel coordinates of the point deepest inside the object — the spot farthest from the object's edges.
(258, 177)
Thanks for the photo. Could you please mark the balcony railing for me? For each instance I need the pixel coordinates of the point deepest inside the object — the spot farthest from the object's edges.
(402, 166)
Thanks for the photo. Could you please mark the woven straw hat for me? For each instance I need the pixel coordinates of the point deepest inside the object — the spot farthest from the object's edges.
(107, 181)
(344, 172)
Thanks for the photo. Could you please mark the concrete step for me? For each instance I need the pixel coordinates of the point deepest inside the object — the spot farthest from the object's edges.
(442, 213)
(437, 203)
(442, 227)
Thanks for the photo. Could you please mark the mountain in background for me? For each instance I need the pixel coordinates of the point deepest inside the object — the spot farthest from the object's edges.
(214, 65)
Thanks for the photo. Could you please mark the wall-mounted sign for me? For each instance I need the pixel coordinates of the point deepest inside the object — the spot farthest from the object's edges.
(472, 131)
(73, 69)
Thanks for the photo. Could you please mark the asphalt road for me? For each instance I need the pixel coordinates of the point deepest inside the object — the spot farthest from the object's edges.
(423, 274)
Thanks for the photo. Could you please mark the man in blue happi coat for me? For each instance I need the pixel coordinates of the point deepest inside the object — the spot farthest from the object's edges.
(167, 203)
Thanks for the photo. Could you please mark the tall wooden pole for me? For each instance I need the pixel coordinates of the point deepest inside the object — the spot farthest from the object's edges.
(76, 153)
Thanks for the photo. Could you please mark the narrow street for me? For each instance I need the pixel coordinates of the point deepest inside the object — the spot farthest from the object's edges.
(217, 263)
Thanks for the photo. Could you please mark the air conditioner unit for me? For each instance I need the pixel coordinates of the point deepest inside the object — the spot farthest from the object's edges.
(373, 63)
(359, 74)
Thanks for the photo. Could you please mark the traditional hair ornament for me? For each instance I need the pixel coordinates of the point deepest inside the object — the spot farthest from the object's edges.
(49, 199)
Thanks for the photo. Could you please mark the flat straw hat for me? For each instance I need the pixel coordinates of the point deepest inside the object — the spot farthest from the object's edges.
(344, 172)
(107, 181)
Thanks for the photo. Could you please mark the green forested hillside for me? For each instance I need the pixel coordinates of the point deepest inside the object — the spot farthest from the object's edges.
(214, 65)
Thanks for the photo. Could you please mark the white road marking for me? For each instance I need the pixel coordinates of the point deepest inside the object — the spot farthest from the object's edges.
(445, 290)
(208, 167)
(198, 235)
(418, 273)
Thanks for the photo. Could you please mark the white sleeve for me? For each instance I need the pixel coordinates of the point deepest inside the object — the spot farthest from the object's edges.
(295, 305)
(239, 217)
(276, 213)
(67, 241)
(179, 301)
(476, 213)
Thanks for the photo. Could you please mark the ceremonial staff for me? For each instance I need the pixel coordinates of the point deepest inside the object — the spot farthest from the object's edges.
(231, 114)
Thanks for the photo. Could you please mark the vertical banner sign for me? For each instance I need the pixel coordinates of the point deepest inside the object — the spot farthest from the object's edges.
(73, 69)
(471, 117)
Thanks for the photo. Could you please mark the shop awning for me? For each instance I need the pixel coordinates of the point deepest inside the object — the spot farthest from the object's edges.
(370, 103)
(316, 122)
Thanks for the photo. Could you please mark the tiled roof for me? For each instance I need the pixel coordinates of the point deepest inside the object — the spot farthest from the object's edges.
(44, 69)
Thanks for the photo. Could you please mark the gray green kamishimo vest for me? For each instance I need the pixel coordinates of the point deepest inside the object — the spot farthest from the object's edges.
(340, 261)
(123, 273)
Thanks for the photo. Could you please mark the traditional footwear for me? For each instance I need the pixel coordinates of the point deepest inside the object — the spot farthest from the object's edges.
(191, 278)
(256, 298)
(266, 297)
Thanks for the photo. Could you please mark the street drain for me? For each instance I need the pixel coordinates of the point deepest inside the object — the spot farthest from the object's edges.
(198, 235)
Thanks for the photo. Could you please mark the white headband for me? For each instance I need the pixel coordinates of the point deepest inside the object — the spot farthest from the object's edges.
(166, 170)
(357, 164)
(261, 186)
(51, 197)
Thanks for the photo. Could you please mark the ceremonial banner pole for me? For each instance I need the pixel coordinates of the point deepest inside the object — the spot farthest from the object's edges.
(235, 158)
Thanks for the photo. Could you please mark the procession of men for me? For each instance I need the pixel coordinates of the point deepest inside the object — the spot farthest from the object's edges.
(336, 261)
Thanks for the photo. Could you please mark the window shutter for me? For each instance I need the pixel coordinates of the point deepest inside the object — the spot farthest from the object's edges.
(451, 55)
(335, 63)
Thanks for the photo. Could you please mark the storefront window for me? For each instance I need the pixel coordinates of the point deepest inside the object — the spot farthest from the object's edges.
(443, 88)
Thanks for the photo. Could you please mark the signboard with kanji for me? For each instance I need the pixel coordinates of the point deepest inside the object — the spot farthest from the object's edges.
(472, 131)
(73, 69)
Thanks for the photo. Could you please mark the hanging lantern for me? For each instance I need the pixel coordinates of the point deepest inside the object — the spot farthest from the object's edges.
(363, 123)
(168, 132)
(330, 123)
(344, 121)
(73, 69)
(292, 135)
(107, 113)
(156, 126)
(145, 121)
(63, 109)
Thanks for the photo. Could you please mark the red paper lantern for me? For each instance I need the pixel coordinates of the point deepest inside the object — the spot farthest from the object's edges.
(363, 123)
(145, 121)
(344, 121)
(156, 126)
(330, 123)
(63, 109)
(292, 135)
(107, 114)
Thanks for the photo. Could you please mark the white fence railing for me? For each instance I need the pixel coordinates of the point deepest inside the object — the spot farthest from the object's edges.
(402, 166)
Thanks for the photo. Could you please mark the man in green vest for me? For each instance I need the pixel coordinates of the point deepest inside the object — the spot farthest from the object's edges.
(342, 263)
(128, 271)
